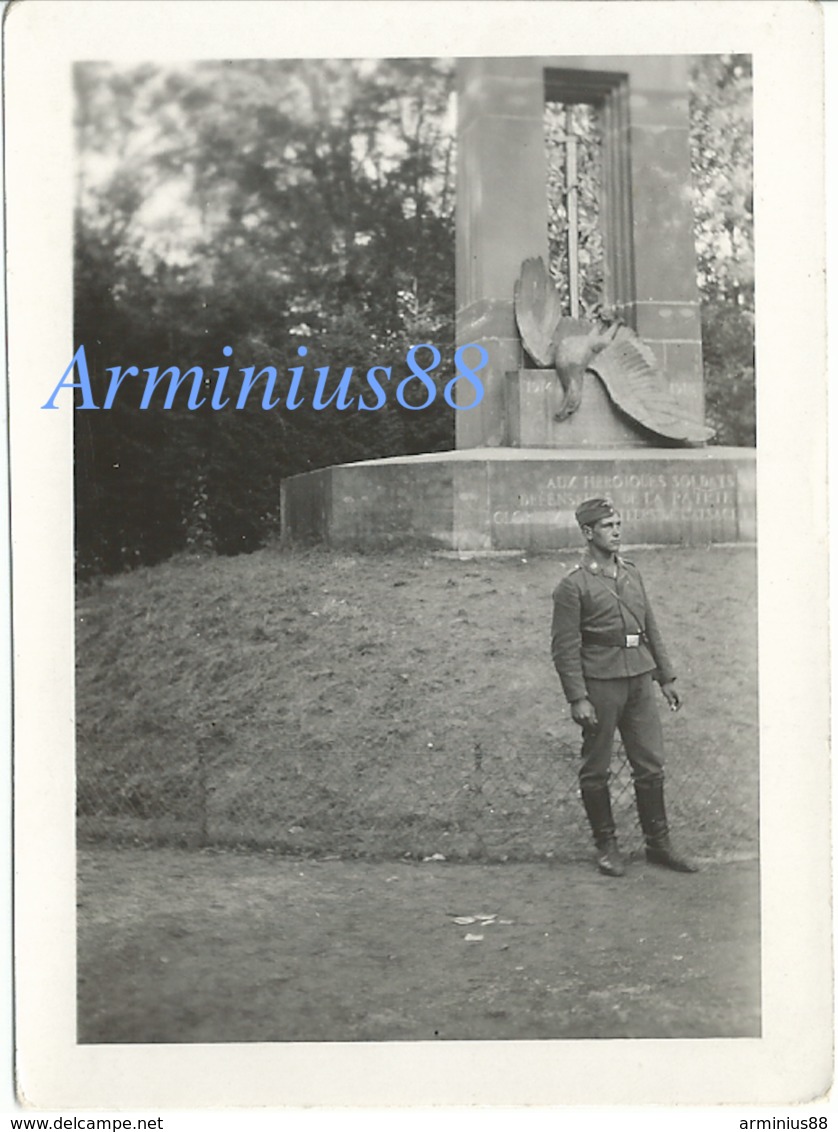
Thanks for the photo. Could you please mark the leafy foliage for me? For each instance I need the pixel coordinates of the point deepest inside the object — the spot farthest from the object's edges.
(727, 331)
(261, 206)
(721, 147)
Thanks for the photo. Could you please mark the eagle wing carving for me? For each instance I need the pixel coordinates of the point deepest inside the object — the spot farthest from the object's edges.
(624, 363)
(537, 311)
(629, 371)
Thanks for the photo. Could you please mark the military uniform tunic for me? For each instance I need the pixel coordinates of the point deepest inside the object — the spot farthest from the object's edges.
(607, 648)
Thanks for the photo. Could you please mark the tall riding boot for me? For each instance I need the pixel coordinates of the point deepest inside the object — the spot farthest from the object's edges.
(650, 807)
(597, 802)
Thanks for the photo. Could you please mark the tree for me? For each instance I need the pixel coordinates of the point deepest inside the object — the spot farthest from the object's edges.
(264, 206)
(721, 147)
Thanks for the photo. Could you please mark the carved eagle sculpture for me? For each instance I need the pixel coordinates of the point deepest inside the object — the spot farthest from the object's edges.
(625, 364)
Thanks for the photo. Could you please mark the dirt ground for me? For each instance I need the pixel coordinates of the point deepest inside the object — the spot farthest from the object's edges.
(213, 946)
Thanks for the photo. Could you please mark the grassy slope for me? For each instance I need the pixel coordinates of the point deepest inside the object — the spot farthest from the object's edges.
(391, 704)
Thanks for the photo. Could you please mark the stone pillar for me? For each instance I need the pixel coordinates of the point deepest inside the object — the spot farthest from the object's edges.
(647, 216)
(667, 313)
(501, 219)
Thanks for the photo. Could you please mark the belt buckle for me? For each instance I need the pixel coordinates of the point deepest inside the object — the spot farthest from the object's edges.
(632, 640)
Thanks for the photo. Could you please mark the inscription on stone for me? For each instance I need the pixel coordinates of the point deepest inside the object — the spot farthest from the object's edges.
(641, 496)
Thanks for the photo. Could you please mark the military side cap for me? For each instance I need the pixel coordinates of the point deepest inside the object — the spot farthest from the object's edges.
(592, 510)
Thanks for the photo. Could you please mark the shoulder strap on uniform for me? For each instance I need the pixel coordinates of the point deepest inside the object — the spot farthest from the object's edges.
(620, 600)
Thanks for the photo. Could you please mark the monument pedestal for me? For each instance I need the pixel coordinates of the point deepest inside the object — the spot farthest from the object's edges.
(534, 395)
(496, 499)
(518, 474)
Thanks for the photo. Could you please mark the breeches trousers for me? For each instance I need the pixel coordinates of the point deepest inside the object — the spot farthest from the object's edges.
(627, 705)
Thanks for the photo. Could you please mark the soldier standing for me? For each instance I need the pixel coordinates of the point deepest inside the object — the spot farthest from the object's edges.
(608, 651)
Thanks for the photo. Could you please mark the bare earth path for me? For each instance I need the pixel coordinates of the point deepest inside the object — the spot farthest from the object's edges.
(180, 946)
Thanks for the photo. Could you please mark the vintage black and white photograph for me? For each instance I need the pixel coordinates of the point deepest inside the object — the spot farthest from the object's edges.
(371, 671)
(412, 403)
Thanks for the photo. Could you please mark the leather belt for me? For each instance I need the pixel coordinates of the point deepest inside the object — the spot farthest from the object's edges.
(614, 640)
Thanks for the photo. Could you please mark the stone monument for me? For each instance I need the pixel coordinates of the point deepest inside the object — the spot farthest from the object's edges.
(526, 454)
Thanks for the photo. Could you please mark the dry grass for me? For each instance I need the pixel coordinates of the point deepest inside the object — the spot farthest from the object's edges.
(392, 704)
